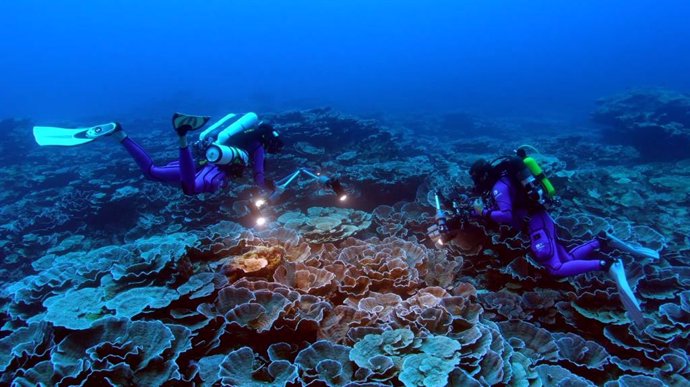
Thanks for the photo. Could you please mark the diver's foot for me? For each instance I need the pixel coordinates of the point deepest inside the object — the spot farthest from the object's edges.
(184, 123)
(103, 130)
(606, 263)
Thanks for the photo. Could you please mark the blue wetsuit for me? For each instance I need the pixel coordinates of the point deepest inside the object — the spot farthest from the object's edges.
(545, 245)
(209, 178)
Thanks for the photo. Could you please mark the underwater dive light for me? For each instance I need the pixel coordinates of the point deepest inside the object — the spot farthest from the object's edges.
(440, 220)
(440, 215)
(335, 185)
(256, 212)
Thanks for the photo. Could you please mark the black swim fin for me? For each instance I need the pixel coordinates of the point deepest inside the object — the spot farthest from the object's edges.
(184, 123)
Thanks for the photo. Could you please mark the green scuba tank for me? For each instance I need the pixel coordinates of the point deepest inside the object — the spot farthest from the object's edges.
(538, 174)
(526, 171)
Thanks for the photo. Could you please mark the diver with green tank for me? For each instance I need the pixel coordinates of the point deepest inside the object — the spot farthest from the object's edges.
(515, 191)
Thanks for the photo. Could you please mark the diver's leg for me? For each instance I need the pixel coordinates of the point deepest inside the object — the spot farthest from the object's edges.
(549, 227)
(563, 254)
(553, 255)
(188, 171)
(169, 173)
(585, 250)
(576, 267)
(183, 123)
(543, 238)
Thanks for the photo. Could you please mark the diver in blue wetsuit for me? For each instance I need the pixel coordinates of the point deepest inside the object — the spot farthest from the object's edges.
(517, 196)
(227, 152)
(225, 148)
(510, 204)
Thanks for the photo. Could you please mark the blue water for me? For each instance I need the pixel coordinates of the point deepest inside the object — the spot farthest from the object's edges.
(77, 59)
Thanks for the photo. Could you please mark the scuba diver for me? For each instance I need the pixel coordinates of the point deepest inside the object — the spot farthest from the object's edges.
(228, 147)
(515, 191)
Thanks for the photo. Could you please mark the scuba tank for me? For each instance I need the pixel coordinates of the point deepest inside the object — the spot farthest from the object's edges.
(245, 122)
(224, 155)
(227, 126)
(534, 180)
(211, 133)
(213, 141)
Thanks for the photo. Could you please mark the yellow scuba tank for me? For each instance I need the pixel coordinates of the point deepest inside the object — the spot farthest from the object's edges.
(539, 175)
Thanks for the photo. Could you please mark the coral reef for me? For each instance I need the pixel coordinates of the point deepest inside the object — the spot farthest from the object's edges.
(109, 279)
(656, 122)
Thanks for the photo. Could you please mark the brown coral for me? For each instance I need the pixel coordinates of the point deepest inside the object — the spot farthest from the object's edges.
(261, 261)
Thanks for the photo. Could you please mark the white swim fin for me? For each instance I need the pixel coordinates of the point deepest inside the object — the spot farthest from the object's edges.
(50, 135)
(632, 306)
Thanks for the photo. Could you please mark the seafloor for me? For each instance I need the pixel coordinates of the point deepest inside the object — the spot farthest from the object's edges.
(110, 279)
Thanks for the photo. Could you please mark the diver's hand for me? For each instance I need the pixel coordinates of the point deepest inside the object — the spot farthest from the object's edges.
(433, 232)
(275, 195)
(440, 234)
(478, 207)
(261, 196)
(270, 185)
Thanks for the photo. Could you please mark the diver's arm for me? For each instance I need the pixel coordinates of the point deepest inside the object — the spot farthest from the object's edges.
(258, 157)
(503, 212)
